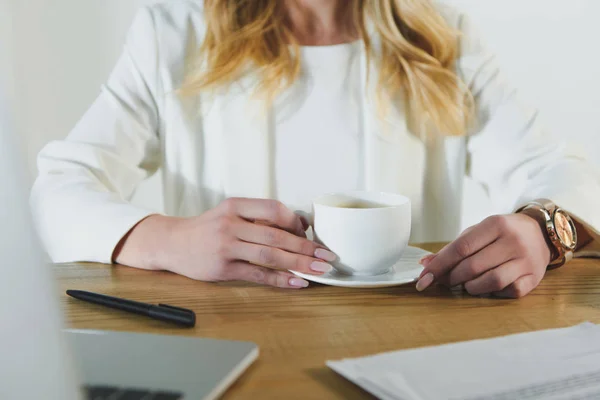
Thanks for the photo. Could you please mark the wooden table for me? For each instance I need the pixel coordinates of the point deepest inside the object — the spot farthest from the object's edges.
(297, 331)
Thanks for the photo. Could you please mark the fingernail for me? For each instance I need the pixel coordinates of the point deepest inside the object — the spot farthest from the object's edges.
(425, 282)
(318, 266)
(297, 282)
(426, 260)
(325, 255)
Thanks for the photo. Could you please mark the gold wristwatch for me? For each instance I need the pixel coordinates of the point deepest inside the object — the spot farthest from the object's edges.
(559, 229)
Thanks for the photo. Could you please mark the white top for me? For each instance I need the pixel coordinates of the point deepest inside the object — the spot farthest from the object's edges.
(212, 147)
(317, 127)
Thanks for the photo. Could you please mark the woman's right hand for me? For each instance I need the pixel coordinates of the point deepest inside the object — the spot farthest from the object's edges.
(250, 240)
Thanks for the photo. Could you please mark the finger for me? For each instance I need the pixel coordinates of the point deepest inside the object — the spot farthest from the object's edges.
(301, 233)
(241, 271)
(472, 267)
(519, 288)
(463, 247)
(274, 237)
(279, 259)
(496, 279)
(469, 229)
(269, 212)
(425, 261)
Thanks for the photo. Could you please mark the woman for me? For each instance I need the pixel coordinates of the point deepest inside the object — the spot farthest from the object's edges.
(240, 102)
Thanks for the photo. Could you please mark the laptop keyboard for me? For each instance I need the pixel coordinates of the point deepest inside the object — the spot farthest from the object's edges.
(116, 393)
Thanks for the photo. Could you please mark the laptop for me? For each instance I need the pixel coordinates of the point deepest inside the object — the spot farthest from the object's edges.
(42, 360)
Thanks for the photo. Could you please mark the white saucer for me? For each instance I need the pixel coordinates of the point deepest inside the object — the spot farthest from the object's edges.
(406, 270)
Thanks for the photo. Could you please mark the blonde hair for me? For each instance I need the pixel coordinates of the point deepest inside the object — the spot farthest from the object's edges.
(416, 58)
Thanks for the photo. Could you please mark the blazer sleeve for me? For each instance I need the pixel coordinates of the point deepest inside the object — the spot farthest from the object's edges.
(80, 200)
(511, 155)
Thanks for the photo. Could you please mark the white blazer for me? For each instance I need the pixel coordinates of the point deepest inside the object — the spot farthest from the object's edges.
(211, 148)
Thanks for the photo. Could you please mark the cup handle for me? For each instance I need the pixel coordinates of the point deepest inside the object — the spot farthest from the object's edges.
(308, 217)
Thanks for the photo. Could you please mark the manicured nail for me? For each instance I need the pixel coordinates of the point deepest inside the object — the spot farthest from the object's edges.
(297, 282)
(425, 282)
(325, 255)
(426, 260)
(318, 266)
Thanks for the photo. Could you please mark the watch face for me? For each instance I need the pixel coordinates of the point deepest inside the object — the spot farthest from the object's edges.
(564, 229)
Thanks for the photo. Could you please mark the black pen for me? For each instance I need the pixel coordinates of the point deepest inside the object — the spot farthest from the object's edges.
(163, 312)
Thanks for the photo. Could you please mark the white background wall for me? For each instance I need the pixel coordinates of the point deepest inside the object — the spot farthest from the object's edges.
(549, 49)
(62, 50)
(6, 51)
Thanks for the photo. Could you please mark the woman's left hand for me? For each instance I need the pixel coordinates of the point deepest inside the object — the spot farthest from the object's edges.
(505, 255)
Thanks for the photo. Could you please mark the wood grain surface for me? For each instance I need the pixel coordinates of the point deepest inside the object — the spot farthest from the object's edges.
(298, 330)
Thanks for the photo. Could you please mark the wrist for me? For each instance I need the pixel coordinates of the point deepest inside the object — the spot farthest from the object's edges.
(534, 215)
(148, 244)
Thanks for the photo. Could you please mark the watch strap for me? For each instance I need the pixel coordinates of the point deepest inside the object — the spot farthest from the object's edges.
(547, 208)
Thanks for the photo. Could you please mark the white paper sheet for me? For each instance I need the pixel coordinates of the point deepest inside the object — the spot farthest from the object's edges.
(555, 364)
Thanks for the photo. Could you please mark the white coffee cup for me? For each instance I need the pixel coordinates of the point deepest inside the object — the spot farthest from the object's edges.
(368, 231)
